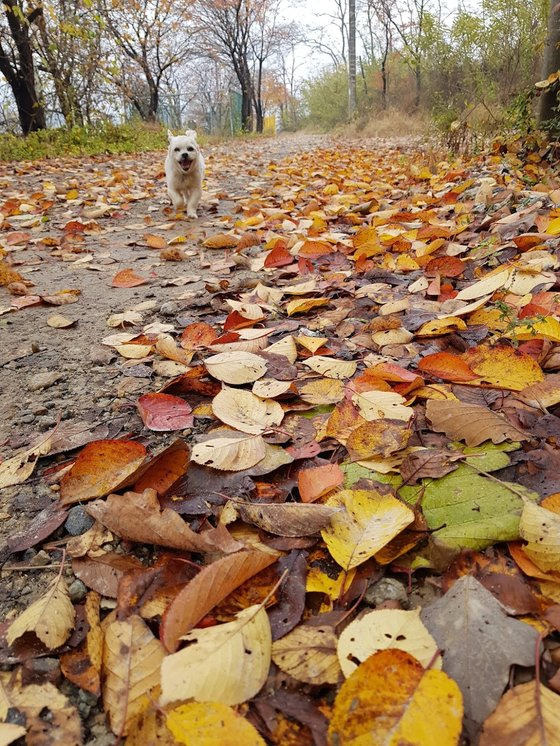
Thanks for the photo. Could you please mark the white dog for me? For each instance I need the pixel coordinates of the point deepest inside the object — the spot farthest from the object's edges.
(184, 170)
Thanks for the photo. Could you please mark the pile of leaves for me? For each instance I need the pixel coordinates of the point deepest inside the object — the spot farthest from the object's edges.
(377, 404)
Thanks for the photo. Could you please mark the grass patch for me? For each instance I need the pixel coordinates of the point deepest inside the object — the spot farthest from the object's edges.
(105, 138)
(390, 123)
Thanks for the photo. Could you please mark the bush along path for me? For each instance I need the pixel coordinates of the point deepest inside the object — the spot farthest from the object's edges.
(309, 490)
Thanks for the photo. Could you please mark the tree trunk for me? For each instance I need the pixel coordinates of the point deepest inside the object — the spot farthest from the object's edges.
(351, 58)
(549, 116)
(20, 74)
(418, 87)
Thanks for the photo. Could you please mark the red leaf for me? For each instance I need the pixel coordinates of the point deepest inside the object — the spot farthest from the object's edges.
(164, 412)
(446, 266)
(279, 256)
(198, 334)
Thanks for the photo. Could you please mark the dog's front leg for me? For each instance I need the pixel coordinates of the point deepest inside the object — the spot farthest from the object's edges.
(192, 202)
(176, 198)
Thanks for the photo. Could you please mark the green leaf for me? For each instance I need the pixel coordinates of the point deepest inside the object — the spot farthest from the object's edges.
(468, 511)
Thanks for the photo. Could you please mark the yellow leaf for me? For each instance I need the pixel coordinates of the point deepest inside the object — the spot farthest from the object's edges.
(308, 654)
(392, 337)
(10, 732)
(311, 344)
(228, 663)
(17, 469)
(51, 617)
(324, 391)
(377, 405)
(285, 347)
(133, 352)
(231, 452)
(437, 327)
(72, 194)
(545, 328)
(553, 228)
(391, 700)
(210, 724)
(330, 580)
(305, 304)
(268, 388)
(132, 658)
(530, 712)
(368, 522)
(330, 367)
(385, 628)
(502, 367)
(541, 529)
(236, 367)
(246, 412)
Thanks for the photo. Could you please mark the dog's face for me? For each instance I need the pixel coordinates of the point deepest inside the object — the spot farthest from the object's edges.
(183, 149)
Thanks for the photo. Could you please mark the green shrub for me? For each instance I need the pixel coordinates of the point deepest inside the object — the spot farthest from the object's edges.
(91, 140)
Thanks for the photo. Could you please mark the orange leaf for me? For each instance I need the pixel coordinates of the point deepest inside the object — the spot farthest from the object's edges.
(155, 242)
(446, 266)
(221, 241)
(164, 412)
(318, 481)
(447, 366)
(197, 334)
(101, 467)
(127, 278)
(278, 257)
(164, 469)
(315, 249)
(212, 584)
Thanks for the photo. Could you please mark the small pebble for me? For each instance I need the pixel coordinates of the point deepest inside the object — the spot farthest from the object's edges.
(78, 521)
(386, 589)
(27, 419)
(40, 559)
(77, 591)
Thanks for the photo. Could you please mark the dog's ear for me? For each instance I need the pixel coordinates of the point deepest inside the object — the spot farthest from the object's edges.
(191, 133)
(170, 135)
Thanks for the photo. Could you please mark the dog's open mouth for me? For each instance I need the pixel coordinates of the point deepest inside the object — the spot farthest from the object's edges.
(185, 165)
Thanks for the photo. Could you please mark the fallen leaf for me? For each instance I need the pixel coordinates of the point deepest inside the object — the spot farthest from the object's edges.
(83, 666)
(502, 367)
(58, 321)
(541, 530)
(164, 412)
(164, 469)
(308, 654)
(221, 241)
(212, 584)
(127, 278)
(132, 658)
(211, 722)
(246, 412)
(318, 481)
(236, 367)
(17, 469)
(331, 367)
(392, 696)
(382, 629)
(101, 467)
(471, 423)
(139, 517)
(479, 644)
(376, 405)
(447, 366)
(51, 617)
(290, 519)
(368, 521)
(529, 713)
(228, 663)
(377, 438)
(231, 452)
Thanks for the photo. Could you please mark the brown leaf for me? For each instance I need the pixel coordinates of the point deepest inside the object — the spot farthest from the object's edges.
(212, 584)
(288, 519)
(139, 517)
(430, 462)
(102, 574)
(471, 423)
(83, 666)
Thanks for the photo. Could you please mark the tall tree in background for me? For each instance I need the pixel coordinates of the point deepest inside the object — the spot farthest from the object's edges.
(351, 58)
(154, 37)
(550, 97)
(226, 26)
(17, 64)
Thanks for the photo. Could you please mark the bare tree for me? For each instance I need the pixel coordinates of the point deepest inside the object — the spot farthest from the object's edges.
(351, 58)
(17, 64)
(379, 38)
(153, 36)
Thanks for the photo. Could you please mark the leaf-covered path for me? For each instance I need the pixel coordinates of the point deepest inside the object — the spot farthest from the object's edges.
(313, 433)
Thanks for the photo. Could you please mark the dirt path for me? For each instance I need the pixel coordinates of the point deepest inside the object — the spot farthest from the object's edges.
(66, 375)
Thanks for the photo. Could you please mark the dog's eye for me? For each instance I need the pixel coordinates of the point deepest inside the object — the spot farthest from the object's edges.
(176, 150)
(190, 150)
